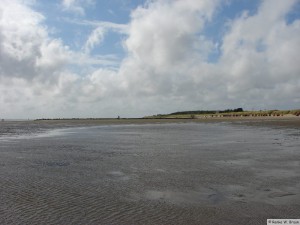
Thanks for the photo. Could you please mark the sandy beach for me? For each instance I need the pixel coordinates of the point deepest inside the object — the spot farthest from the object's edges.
(141, 171)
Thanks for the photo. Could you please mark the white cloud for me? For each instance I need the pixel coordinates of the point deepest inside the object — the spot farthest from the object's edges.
(95, 38)
(73, 5)
(26, 51)
(100, 29)
(260, 51)
(76, 6)
(166, 32)
(97, 35)
(166, 69)
(258, 61)
(116, 27)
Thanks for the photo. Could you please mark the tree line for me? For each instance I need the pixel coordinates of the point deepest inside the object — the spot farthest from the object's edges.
(208, 111)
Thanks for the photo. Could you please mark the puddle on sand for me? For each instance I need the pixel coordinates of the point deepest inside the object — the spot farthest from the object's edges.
(203, 196)
(44, 134)
(238, 162)
(278, 173)
(118, 175)
(223, 194)
(272, 196)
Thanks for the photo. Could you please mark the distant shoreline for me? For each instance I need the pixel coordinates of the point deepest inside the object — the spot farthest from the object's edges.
(231, 114)
(287, 119)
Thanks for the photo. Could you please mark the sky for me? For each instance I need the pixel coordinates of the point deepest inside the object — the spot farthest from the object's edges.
(96, 58)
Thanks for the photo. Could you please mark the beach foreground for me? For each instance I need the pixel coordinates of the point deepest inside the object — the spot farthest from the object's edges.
(149, 171)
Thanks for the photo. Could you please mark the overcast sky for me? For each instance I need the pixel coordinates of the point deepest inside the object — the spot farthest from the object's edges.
(99, 58)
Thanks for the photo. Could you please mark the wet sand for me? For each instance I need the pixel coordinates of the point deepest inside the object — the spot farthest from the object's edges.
(29, 127)
(137, 172)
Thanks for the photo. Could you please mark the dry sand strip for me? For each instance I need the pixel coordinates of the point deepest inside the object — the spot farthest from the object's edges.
(283, 120)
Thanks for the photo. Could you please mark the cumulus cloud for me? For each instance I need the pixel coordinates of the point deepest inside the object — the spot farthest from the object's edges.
(31, 62)
(26, 51)
(165, 32)
(167, 67)
(164, 44)
(168, 55)
(259, 55)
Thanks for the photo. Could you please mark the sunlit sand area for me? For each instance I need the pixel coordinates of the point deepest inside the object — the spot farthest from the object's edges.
(139, 171)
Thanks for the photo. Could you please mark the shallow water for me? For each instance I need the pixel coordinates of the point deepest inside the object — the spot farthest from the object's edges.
(206, 173)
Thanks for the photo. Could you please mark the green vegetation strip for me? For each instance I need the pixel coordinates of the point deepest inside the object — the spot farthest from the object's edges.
(226, 113)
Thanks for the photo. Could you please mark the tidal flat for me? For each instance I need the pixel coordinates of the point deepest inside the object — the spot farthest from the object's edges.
(149, 171)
